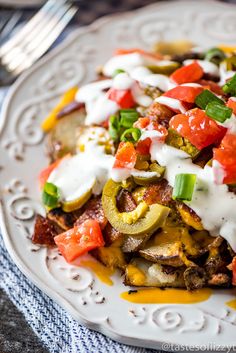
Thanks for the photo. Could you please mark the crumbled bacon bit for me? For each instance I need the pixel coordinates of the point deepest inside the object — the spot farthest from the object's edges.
(160, 192)
(44, 231)
(160, 113)
(125, 201)
(110, 234)
(93, 210)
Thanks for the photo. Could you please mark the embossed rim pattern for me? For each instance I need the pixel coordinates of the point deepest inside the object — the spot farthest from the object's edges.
(27, 102)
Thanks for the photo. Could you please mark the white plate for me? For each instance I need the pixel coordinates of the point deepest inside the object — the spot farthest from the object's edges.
(22, 157)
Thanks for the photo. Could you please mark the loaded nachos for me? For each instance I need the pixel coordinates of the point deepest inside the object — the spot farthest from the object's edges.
(143, 169)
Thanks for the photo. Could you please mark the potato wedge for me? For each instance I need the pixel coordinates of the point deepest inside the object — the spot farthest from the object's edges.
(165, 254)
(62, 138)
(110, 256)
(133, 243)
(141, 272)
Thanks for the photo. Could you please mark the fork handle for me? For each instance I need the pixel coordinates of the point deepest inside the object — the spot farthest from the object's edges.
(6, 78)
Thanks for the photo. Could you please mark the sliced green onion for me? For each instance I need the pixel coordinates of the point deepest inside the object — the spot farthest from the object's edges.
(206, 97)
(49, 200)
(128, 117)
(114, 127)
(215, 55)
(218, 112)
(184, 186)
(132, 135)
(230, 86)
(51, 195)
(117, 72)
(51, 189)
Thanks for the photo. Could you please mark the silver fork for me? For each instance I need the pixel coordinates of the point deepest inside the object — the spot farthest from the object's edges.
(34, 39)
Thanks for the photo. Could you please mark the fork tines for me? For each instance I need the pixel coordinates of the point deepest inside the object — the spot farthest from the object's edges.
(35, 38)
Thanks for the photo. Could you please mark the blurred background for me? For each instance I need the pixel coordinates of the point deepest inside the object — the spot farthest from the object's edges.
(15, 334)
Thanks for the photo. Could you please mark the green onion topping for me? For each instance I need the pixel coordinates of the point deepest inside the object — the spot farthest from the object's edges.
(184, 186)
(114, 127)
(230, 86)
(218, 112)
(206, 97)
(117, 72)
(215, 55)
(51, 189)
(50, 195)
(119, 123)
(132, 135)
(128, 117)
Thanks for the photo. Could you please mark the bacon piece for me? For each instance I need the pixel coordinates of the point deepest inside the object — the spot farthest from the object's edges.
(112, 235)
(160, 113)
(64, 220)
(160, 192)
(93, 210)
(44, 231)
(220, 280)
(125, 201)
(213, 86)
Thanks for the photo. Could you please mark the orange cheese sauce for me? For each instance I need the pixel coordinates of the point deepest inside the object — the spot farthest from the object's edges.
(232, 304)
(103, 273)
(167, 296)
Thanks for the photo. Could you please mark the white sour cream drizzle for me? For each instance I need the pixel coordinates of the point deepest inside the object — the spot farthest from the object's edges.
(121, 174)
(225, 74)
(171, 103)
(134, 64)
(127, 62)
(98, 106)
(88, 170)
(213, 203)
(207, 66)
(230, 124)
(122, 81)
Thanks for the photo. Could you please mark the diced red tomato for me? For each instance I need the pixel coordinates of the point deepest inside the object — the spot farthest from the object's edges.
(122, 97)
(198, 128)
(142, 123)
(45, 173)
(232, 104)
(226, 156)
(143, 146)
(150, 124)
(79, 240)
(158, 127)
(212, 86)
(189, 73)
(105, 124)
(184, 93)
(234, 271)
(126, 156)
(139, 51)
